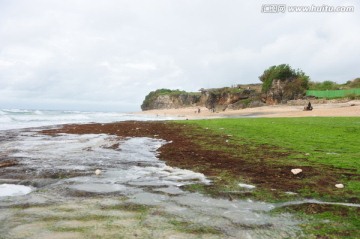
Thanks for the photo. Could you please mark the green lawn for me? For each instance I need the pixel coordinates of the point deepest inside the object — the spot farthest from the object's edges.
(331, 141)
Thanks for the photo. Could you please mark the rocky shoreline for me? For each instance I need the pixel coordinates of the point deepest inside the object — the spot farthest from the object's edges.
(70, 199)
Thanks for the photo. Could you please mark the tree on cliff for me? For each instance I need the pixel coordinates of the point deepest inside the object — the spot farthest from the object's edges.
(295, 82)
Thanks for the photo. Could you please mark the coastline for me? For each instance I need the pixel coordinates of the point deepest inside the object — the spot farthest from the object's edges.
(241, 174)
(347, 109)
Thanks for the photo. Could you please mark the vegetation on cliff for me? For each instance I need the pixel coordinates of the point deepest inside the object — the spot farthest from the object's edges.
(298, 80)
(330, 85)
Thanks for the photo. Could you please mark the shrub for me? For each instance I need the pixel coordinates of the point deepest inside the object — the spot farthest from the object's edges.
(326, 85)
(354, 83)
(298, 80)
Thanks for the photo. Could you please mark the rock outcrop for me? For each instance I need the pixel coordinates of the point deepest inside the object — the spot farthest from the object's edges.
(218, 99)
(225, 98)
(282, 91)
(167, 99)
(172, 101)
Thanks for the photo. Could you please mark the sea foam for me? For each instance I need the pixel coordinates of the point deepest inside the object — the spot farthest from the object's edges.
(18, 118)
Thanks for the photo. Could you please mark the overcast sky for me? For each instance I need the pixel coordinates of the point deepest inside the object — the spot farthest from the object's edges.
(108, 54)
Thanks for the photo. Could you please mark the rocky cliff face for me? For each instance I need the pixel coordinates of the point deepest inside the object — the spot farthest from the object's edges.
(172, 101)
(220, 100)
(282, 91)
(213, 99)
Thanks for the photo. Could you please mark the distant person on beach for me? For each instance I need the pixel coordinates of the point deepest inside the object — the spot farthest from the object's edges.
(199, 110)
(309, 107)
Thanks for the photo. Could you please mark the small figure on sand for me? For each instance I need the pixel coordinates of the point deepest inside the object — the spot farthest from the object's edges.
(308, 107)
(198, 110)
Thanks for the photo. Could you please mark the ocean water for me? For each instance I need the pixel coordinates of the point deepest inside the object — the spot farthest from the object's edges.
(19, 118)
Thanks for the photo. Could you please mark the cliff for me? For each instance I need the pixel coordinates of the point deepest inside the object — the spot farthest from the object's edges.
(218, 99)
(168, 99)
(281, 91)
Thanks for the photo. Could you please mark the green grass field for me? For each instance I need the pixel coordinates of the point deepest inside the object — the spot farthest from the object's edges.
(331, 141)
(327, 144)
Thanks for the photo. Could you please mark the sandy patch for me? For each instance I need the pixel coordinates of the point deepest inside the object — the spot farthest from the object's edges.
(348, 109)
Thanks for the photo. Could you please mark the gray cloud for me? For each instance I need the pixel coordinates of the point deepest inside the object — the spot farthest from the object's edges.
(107, 55)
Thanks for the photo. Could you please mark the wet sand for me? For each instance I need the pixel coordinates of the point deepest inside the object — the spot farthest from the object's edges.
(347, 109)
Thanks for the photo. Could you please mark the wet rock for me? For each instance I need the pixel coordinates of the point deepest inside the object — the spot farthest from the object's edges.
(8, 163)
(98, 188)
(230, 197)
(171, 190)
(38, 183)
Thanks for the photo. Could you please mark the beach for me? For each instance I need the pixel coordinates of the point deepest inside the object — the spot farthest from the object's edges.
(143, 175)
(329, 109)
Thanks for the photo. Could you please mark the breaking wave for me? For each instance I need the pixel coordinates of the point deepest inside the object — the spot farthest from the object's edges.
(19, 118)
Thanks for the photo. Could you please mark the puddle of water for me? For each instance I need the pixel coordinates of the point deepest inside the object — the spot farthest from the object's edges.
(11, 190)
(130, 167)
